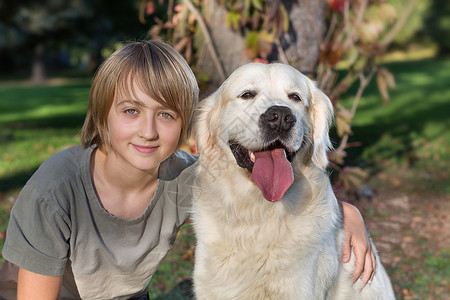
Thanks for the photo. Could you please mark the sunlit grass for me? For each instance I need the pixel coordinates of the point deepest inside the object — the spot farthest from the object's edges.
(413, 129)
(36, 122)
(26, 149)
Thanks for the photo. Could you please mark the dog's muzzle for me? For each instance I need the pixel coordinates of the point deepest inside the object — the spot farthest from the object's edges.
(271, 164)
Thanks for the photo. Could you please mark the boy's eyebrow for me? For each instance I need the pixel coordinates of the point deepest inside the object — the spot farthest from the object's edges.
(129, 101)
(140, 104)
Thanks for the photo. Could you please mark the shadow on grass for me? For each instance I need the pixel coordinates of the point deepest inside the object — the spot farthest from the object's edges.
(16, 180)
(404, 130)
(418, 111)
(61, 121)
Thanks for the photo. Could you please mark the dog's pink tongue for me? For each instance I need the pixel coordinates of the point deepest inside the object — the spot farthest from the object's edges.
(272, 173)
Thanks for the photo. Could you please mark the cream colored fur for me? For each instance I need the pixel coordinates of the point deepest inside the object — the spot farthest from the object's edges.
(250, 248)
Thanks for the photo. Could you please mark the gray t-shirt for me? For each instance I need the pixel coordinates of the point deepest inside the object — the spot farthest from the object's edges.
(58, 227)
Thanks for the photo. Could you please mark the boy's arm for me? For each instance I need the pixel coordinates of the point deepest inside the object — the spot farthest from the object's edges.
(356, 236)
(36, 286)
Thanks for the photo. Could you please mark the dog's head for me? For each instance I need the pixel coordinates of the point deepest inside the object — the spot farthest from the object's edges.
(265, 118)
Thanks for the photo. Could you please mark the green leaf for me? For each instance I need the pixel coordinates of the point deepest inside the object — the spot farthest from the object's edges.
(258, 4)
(251, 43)
(233, 19)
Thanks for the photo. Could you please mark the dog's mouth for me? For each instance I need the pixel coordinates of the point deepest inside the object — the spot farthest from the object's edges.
(270, 167)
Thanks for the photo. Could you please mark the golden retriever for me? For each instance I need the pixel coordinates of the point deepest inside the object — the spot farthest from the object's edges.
(267, 223)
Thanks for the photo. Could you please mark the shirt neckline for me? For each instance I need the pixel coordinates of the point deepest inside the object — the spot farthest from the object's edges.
(95, 202)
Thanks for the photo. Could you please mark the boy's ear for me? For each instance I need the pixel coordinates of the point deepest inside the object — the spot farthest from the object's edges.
(321, 116)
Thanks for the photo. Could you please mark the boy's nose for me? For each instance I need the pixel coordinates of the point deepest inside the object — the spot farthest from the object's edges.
(148, 129)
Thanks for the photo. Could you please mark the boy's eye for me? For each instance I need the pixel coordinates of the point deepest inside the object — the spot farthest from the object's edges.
(166, 115)
(131, 111)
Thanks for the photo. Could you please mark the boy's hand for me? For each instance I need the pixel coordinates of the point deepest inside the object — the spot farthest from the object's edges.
(356, 236)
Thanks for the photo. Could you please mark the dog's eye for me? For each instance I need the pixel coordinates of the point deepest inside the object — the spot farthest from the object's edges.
(294, 97)
(248, 95)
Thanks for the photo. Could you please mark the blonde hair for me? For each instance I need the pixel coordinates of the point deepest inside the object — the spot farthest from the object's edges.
(157, 70)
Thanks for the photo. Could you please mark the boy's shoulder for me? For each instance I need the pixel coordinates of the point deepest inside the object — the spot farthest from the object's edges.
(61, 164)
(175, 164)
(70, 158)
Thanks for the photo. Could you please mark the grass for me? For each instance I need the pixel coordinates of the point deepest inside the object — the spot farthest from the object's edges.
(411, 133)
(413, 130)
(37, 121)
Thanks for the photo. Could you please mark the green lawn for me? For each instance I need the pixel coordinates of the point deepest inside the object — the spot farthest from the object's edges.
(35, 122)
(412, 132)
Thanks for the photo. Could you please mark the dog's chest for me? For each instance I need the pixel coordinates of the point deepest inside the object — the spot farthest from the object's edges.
(257, 271)
(258, 255)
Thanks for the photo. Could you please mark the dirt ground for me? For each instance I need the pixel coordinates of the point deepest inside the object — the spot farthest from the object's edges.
(412, 235)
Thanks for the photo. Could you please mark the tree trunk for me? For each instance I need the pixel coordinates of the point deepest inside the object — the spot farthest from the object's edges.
(300, 45)
(38, 74)
(229, 46)
(307, 27)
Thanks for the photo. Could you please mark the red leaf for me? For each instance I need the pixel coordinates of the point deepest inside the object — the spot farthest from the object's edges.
(260, 60)
(178, 7)
(331, 55)
(337, 5)
(150, 8)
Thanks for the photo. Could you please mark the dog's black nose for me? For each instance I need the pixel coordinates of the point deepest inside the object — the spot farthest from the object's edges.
(278, 118)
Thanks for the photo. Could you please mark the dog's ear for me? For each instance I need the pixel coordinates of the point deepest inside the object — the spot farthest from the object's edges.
(207, 115)
(321, 116)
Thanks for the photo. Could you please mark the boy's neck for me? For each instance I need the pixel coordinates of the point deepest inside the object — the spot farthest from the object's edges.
(118, 174)
(123, 193)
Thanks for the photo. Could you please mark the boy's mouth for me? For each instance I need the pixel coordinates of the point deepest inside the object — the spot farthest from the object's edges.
(145, 149)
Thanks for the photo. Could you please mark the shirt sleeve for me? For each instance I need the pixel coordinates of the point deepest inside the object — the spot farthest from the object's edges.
(186, 187)
(37, 237)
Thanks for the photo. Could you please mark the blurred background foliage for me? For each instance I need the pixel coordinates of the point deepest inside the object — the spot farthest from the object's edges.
(62, 34)
(73, 33)
(36, 38)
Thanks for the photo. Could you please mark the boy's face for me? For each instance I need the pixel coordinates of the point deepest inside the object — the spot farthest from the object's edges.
(142, 131)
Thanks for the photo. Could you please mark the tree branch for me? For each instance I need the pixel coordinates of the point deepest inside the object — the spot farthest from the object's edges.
(209, 41)
(283, 56)
(362, 86)
(364, 82)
